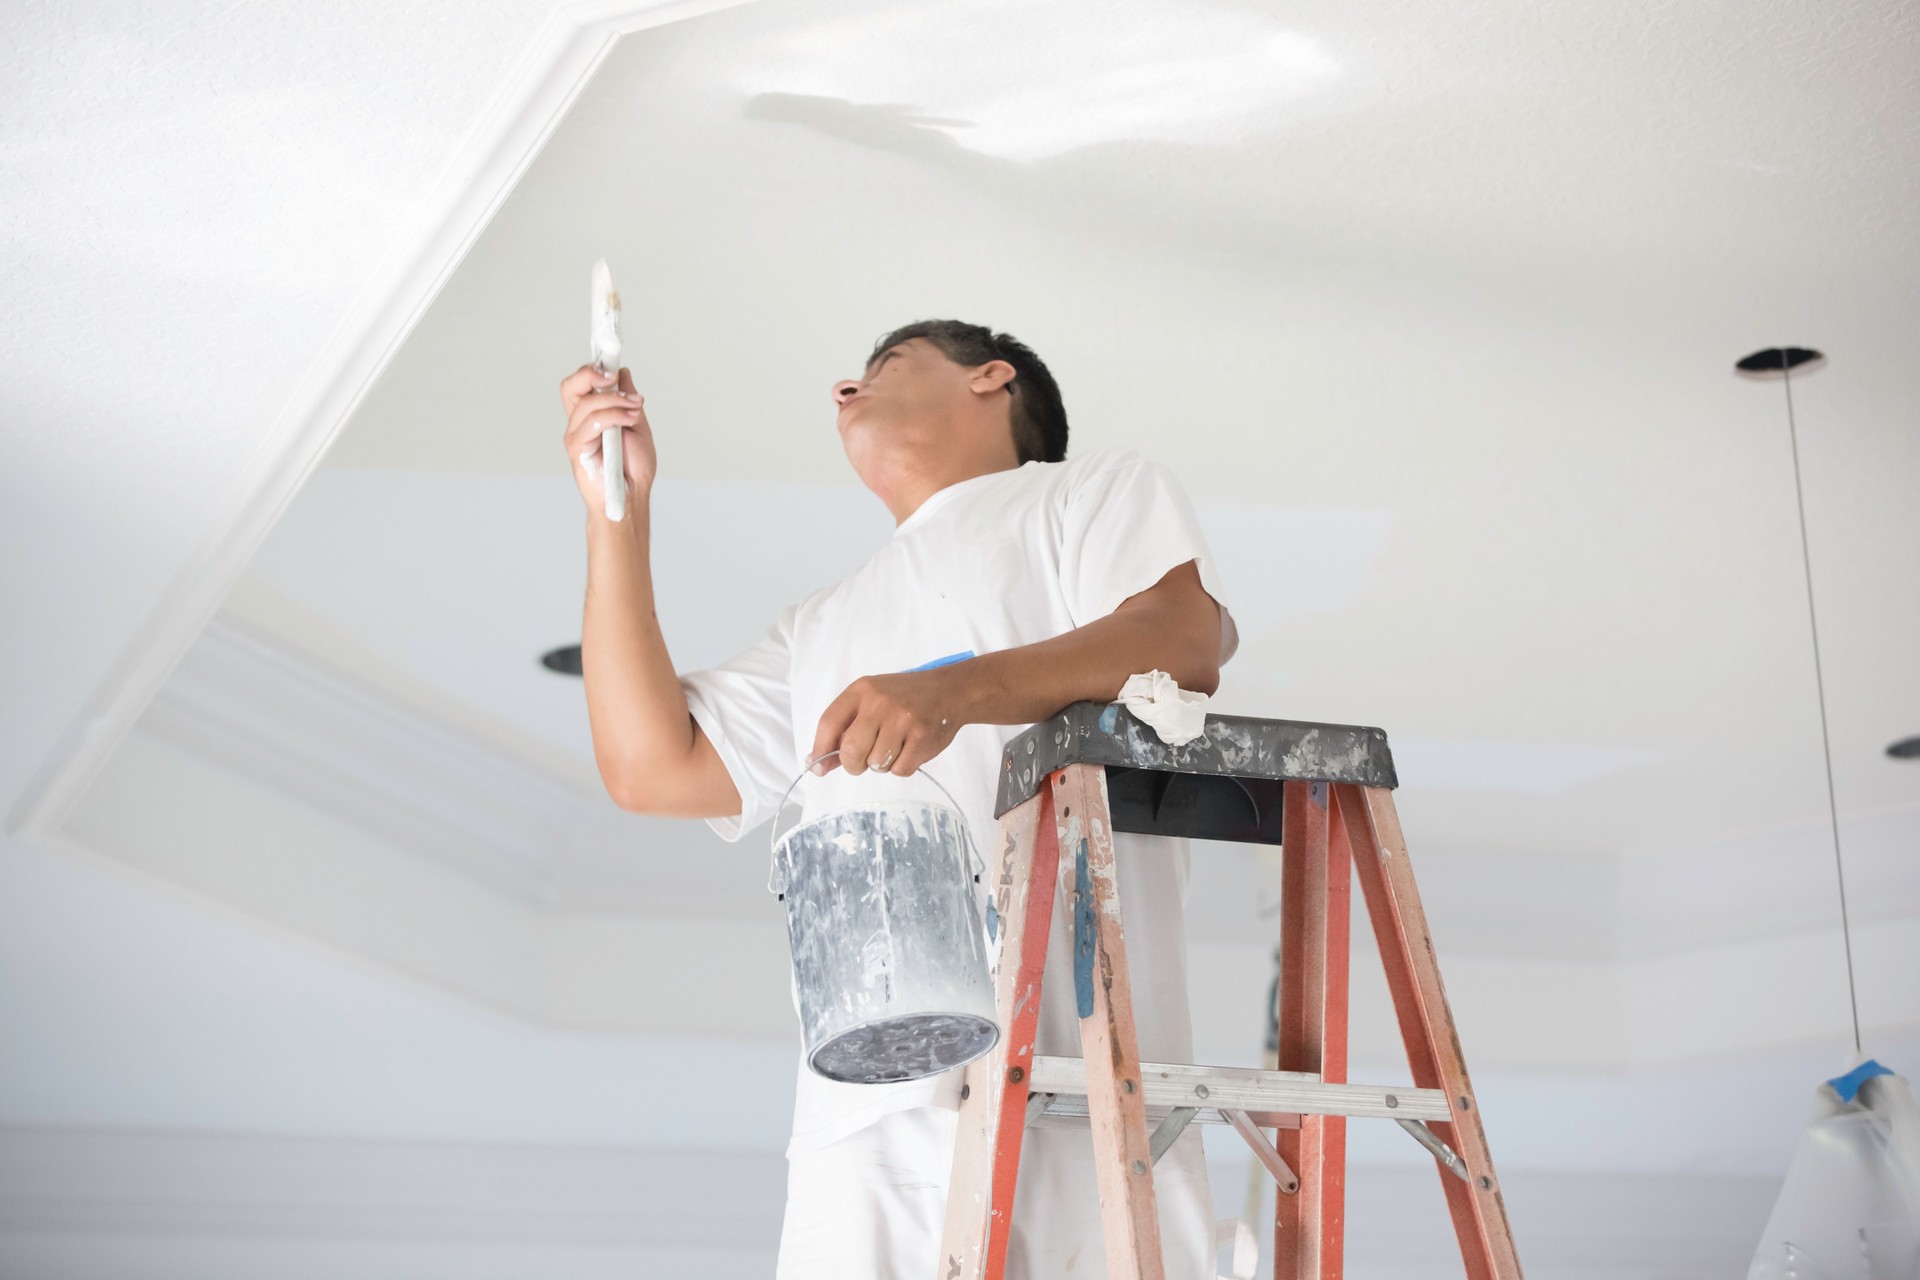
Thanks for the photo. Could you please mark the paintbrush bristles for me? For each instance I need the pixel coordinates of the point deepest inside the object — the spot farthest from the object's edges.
(605, 332)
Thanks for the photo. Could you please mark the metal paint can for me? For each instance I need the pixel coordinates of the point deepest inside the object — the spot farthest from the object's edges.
(891, 969)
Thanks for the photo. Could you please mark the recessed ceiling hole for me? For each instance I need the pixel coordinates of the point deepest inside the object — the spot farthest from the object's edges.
(1777, 360)
(565, 660)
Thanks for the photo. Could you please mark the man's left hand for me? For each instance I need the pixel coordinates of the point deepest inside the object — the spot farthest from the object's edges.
(893, 723)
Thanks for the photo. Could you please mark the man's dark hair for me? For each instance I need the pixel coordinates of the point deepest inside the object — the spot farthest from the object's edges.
(1039, 419)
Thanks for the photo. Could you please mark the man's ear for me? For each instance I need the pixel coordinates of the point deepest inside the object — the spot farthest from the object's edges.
(991, 377)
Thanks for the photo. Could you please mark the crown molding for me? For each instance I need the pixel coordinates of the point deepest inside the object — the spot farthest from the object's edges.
(262, 710)
(531, 1209)
(535, 96)
(85, 1180)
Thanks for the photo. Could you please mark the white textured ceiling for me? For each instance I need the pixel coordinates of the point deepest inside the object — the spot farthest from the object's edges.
(193, 196)
(1433, 306)
(1442, 297)
(1437, 321)
(1439, 330)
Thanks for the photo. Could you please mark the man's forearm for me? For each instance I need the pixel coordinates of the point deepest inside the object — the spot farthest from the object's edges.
(634, 701)
(910, 717)
(1087, 664)
(1090, 663)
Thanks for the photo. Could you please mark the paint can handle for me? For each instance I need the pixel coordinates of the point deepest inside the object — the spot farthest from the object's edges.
(777, 884)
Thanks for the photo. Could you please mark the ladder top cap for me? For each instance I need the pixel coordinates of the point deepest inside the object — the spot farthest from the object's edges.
(1106, 733)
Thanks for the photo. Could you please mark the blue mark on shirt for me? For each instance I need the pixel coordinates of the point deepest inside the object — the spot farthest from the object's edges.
(947, 661)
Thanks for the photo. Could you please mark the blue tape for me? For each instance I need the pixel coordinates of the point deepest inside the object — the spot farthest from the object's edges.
(1849, 1084)
(1110, 717)
(947, 661)
(1083, 932)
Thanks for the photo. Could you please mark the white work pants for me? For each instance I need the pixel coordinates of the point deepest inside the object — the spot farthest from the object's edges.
(871, 1206)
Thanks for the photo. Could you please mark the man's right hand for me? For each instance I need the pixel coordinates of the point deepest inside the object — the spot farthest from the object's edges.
(592, 405)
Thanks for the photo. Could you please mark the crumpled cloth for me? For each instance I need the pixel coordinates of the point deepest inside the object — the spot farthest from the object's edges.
(1177, 715)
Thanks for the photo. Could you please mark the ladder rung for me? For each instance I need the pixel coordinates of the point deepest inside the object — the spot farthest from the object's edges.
(1246, 1089)
(1074, 1107)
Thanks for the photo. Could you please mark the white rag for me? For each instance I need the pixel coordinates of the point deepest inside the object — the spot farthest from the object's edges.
(1177, 715)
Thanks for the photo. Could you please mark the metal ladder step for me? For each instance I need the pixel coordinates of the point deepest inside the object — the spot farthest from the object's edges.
(1260, 1093)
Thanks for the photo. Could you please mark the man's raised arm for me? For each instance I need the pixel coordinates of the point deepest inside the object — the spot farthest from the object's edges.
(652, 756)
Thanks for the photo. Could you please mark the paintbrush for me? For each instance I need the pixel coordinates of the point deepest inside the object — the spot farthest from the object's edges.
(606, 358)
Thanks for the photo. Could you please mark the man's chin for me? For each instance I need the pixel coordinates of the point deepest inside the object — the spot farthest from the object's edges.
(861, 430)
(864, 444)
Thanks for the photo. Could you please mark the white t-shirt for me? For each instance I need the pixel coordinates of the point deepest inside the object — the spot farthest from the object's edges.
(994, 562)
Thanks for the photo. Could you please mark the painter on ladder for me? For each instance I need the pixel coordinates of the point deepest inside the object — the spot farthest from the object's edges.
(1016, 581)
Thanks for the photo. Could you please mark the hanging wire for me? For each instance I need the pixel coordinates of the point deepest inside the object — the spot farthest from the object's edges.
(1820, 686)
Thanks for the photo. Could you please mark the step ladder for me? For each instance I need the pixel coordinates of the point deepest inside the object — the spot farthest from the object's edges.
(1324, 794)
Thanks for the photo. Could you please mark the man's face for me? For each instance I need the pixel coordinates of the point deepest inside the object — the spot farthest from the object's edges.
(909, 382)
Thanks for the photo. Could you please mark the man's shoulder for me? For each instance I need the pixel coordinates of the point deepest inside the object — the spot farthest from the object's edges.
(1108, 457)
(1061, 478)
(1113, 468)
(811, 603)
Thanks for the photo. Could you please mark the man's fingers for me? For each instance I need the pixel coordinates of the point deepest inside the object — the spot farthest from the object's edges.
(873, 727)
(889, 744)
(588, 426)
(580, 382)
(595, 403)
(606, 402)
(913, 754)
(595, 414)
(587, 381)
(856, 744)
(585, 433)
(924, 745)
(833, 725)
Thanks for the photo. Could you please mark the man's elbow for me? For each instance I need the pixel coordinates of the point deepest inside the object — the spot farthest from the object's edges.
(695, 785)
(1182, 628)
(625, 789)
(638, 786)
(1193, 660)
(1192, 650)
(1199, 675)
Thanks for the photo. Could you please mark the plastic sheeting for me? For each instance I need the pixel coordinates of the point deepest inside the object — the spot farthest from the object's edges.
(1850, 1207)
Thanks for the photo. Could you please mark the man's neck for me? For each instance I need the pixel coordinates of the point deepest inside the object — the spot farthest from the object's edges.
(914, 493)
(909, 486)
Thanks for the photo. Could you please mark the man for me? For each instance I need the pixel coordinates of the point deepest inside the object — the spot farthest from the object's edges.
(1015, 582)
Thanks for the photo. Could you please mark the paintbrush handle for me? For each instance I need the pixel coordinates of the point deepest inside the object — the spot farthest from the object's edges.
(613, 463)
(613, 459)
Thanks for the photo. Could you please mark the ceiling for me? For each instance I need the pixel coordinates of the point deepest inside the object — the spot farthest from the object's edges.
(1434, 311)
(1433, 308)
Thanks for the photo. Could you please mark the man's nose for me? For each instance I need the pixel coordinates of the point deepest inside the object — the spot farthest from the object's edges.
(845, 390)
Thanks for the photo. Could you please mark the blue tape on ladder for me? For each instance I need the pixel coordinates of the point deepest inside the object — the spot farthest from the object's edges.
(1849, 1084)
(1083, 932)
